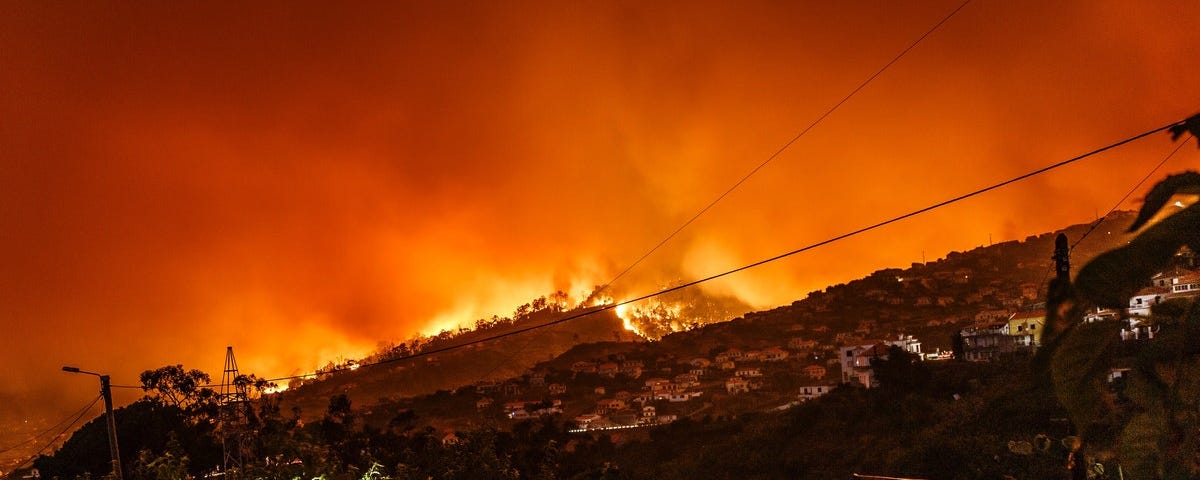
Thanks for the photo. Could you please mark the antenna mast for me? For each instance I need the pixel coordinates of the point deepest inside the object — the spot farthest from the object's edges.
(233, 401)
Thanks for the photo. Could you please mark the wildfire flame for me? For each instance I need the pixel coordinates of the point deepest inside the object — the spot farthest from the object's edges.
(653, 319)
(273, 389)
(623, 314)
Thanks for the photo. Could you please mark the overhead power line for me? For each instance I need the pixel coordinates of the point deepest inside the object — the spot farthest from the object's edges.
(1131, 191)
(783, 148)
(763, 163)
(50, 428)
(709, 278)
(62, 432)
(1050, 265)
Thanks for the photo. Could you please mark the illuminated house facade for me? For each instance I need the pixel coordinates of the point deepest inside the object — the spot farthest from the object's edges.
(1177, 282)
(987, 343)
(1026, 327)
(856, 360)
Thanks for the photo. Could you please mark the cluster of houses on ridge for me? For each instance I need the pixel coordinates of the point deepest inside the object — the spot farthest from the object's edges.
(629, 391)
(731, 372)
(655, 398)
(662, 399)
(1021, 332)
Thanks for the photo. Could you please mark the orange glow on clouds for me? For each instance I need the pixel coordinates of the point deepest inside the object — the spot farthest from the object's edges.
(177, 178)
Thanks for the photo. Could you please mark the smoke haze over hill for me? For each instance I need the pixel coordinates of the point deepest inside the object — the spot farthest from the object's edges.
(303, 182)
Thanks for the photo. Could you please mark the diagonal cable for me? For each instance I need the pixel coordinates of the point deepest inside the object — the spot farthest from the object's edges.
(48, 429)
(782, 149)
(1127, 195)
(59, 434)
(611, 306)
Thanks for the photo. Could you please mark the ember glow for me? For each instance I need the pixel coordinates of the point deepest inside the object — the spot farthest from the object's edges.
(652, 320)
(626, 318)
(271, 390)
(303, 182)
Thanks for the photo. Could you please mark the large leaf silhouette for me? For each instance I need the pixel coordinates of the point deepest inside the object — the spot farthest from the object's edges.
(1151, 423)
(1079, 368)
(1191, 125)
(1140, 451)
(1112, 278)
(1186, 182)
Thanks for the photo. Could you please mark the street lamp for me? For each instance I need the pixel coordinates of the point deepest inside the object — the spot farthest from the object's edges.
(106, 391)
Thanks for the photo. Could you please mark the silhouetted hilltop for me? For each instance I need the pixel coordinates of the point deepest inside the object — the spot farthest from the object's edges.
(489, 360)
(929, 301)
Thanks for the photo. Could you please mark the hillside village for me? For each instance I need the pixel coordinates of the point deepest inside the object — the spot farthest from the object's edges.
(990, 301)
(896, 350)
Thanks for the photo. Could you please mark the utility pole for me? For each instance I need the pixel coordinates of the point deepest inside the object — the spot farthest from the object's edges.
(106, 392)
(1062, 258)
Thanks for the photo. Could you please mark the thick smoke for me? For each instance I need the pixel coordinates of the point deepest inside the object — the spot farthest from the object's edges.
(302, 183)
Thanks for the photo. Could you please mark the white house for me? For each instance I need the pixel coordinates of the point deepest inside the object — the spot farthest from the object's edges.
(813, 391)
(1140, 303)
(1177, 282)
(856, 362)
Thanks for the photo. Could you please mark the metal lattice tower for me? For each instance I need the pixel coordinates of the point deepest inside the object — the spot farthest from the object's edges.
(231, 393)
(233, 401)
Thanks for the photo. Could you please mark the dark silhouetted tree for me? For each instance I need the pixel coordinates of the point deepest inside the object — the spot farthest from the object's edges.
(901, 371)
(172, 385)
(145, 425)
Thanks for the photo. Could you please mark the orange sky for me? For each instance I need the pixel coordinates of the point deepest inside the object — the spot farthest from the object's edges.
(302, 183)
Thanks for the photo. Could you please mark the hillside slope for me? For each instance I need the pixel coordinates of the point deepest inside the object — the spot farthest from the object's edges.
(929, 301)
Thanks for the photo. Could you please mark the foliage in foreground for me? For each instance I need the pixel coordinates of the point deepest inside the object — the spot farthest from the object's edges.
(896, 429)
(1149, 424)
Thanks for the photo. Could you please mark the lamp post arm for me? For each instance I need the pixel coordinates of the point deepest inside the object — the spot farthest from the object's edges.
(106, 392)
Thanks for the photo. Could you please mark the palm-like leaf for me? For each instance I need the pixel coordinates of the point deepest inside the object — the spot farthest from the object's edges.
(1186, 182)
(1155, 427)
(1078, 370)
(1191, 125)
(1112, 278)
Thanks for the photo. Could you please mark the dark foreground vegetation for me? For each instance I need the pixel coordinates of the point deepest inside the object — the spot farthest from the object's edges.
(928, 420)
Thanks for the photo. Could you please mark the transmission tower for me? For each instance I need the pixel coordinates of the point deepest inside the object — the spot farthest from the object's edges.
(234, 402)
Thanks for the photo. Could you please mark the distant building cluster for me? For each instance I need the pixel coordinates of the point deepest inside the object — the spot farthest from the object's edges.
(1021, 332)
(832, 339)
